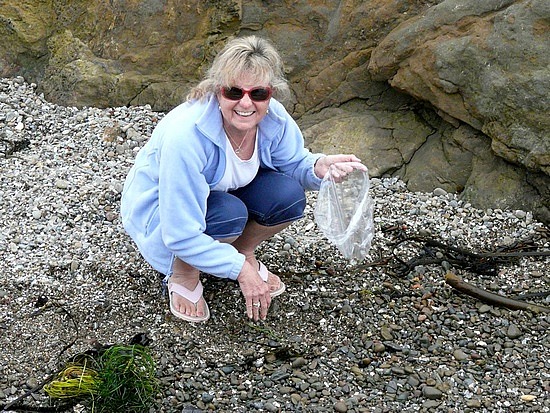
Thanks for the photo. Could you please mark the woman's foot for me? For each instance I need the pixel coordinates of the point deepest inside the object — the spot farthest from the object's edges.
(183, 302)
(187, 302)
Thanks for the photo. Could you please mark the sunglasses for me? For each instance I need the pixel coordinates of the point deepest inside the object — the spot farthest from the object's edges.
(257, 94)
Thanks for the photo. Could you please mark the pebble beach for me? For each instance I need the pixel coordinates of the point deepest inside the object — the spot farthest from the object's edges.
(346, 336)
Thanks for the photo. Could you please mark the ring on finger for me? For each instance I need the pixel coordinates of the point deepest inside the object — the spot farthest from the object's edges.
(256, 304)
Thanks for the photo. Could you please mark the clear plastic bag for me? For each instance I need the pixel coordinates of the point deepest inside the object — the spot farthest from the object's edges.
(344, 214)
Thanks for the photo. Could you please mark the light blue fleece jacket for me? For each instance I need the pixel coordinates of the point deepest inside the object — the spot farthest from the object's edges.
(163, 205)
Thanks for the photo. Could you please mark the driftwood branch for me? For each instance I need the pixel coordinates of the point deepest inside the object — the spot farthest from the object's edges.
(491, 298)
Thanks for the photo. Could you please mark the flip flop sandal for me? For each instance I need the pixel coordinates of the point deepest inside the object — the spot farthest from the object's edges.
(193, 296)
(264, 274)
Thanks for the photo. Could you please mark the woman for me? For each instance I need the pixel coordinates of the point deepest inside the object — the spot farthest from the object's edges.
(223, 172)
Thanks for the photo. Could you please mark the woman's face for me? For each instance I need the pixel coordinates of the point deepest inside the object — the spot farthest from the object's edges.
(245, 113)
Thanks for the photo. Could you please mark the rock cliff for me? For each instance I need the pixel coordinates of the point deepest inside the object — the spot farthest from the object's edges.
(452, 93)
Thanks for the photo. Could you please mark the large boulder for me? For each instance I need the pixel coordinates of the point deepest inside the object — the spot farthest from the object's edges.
(486, 63)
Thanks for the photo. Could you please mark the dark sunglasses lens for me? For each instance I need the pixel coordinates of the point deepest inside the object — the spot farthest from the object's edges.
(233, 93)
(260, 94)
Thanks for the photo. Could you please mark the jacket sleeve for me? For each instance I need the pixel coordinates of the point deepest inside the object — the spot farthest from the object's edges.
(287, 152)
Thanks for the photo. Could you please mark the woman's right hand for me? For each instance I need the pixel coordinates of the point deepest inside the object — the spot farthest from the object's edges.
(255, 290)
(338, 165)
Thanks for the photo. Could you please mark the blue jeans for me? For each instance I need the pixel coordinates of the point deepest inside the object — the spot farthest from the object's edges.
(271, 198)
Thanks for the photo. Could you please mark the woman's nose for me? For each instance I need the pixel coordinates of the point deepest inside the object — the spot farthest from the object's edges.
(246, 101)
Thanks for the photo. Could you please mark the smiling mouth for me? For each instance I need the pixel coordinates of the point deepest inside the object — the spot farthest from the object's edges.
(244, 114)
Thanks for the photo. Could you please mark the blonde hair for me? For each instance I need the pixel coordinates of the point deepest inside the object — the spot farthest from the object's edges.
(250, 55)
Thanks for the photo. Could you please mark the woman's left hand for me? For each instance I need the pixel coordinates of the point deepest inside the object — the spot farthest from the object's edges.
(255, 292)
(338, 165)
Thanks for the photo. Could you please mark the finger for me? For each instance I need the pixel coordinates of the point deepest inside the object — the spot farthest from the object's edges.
(352, 165)
(340, 171)
(249, 308)
(344, 168)
(257, 304)
(358, 165)
(265, 303)
(333, 170)
(252, 311)
(253, 307)
(255, 312)
(257, 307)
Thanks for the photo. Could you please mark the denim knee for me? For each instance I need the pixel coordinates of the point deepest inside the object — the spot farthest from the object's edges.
(285, 205)
(226, 215)
(273, 198)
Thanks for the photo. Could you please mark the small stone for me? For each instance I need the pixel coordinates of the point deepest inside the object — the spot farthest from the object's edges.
(111, 216)
(74, 265)
(340, 407)
(413, 381)
(385, 332)
(379, 348)
(299, 362)
(536, 274)
(513, 331)
(11, 116)
(431, 393)
(31, 382)
(279, 375)
(528, 397)
(520, 214)
(61, 184)
(398, 371)
(347, 309)
(484, 308)
(296, 398)
(270, 407)
(357, 371)
(459, 355)
(391, 388)
(430, 404)
(473, 403)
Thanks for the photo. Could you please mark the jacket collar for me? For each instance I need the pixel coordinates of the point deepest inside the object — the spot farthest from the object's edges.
(210, 122)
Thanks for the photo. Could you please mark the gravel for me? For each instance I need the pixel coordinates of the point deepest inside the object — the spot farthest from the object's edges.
(369, 337)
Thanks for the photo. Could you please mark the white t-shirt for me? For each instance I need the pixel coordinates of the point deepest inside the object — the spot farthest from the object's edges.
(238, 172)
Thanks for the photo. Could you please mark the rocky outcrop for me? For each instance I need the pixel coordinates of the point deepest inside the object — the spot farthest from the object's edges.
(485, 63)
(450, 93)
